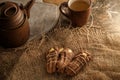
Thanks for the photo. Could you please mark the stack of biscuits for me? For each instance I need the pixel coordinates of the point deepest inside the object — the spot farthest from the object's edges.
(63, 60)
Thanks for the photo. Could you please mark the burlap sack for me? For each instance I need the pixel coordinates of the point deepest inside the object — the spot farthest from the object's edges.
(101, 39)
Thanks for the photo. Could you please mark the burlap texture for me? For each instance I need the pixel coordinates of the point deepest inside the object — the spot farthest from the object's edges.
(102, 40)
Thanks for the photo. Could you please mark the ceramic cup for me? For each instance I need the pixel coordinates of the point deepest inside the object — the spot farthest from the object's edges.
(78, 11)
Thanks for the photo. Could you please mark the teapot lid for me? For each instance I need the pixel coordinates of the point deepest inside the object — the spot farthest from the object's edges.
(11, 16)
(8, 9)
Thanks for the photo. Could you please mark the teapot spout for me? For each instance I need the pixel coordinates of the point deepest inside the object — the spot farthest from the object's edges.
(28, 7)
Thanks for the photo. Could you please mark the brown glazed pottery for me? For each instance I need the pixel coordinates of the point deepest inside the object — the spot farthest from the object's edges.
(11, 16)
(78, 11)
(14, 24)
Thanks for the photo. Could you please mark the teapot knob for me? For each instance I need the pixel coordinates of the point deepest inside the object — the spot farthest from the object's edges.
(28, 6)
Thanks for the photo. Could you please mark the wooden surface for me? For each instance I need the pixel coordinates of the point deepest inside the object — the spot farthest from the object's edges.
(57, 2)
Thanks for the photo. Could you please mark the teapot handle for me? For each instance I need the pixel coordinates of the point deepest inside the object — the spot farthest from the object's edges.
(28, 6)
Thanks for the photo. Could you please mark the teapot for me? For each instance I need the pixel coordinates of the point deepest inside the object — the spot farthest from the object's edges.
(14, 24)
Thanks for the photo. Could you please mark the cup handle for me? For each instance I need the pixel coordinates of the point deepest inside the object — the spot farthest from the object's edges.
(64, 9)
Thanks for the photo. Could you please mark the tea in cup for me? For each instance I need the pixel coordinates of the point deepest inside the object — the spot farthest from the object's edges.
(78, 11)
